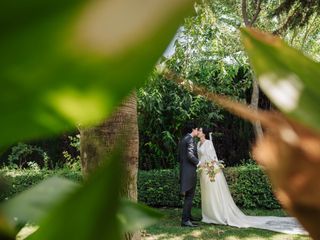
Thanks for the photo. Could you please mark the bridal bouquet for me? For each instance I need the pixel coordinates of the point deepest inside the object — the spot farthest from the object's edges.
(211, 168)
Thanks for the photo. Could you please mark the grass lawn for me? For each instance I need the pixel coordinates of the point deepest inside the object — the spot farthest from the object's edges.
(169, 228)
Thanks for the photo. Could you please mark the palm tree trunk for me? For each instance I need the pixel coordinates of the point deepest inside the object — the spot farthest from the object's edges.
(100, 140)
(254, 105)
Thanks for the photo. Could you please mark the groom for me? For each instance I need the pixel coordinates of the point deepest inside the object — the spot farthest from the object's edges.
(189, 162)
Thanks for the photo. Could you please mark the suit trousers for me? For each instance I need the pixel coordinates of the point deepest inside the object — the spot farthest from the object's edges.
(188, 198)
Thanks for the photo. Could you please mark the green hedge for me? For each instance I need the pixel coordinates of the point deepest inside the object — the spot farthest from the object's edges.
(160, 188)
(20, 180)
(248, 184)
(250, 187)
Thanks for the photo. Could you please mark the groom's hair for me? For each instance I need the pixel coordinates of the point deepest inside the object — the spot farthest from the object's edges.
(189, 126)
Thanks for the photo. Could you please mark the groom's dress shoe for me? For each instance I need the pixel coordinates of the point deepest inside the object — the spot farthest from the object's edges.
(188, 224)
(195, 219)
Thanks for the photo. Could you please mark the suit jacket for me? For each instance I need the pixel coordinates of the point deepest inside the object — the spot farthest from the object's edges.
(188, 158)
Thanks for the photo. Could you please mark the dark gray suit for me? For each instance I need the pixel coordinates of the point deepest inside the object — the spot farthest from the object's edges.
(188, 158)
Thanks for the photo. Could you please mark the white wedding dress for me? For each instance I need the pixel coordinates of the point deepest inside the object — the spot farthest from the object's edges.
(218, 206)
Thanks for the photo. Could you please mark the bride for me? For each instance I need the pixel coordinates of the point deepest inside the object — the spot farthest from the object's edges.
(218, 206)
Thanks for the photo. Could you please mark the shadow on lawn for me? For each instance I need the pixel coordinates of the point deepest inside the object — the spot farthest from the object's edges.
(169, 228)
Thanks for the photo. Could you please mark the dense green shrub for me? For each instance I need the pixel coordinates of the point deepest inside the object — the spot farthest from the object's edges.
(164, 108)
(160, 188)
(58, 151)
(27, 156)
(248, 185)
(72, 161)
(19, 180)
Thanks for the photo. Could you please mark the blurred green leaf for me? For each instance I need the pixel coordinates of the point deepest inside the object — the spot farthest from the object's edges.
(90, 212)
(134, 216)
(68, 63)
(289, 79)
(33, 204)
(7, 231)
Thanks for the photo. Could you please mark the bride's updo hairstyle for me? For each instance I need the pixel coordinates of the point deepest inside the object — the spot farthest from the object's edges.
(206, 131)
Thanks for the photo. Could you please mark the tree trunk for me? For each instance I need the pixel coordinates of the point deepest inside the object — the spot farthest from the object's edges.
(244, 10)
(255, 88)
(100, 140)
(254, 105)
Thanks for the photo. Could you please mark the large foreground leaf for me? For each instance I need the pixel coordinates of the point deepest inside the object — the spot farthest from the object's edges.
(90, 212)
(289, 79)
(133, 216)
(33, 204)
(69, 62)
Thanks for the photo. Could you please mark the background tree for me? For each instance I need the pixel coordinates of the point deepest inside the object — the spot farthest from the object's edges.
(120, 128)
(208, 51)
(250, 22)
(296, 13)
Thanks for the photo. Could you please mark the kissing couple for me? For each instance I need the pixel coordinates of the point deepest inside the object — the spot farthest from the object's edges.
(217, 205)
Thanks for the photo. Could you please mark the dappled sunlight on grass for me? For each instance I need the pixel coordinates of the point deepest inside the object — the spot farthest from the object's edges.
(196, 233)
(169, 228)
